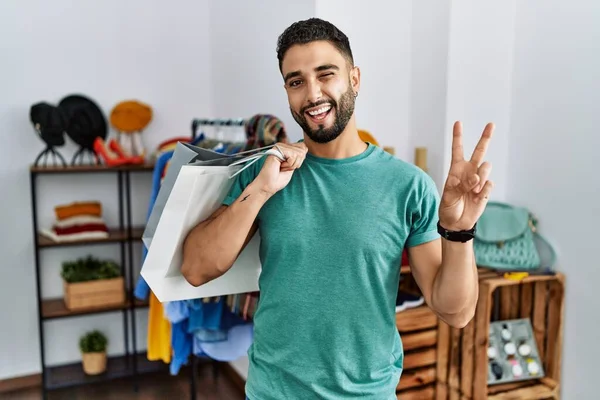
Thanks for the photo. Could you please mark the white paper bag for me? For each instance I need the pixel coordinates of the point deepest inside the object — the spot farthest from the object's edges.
(198, 191)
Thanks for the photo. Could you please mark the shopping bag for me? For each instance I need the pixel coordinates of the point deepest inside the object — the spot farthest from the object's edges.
(197, 190)
(183, 154)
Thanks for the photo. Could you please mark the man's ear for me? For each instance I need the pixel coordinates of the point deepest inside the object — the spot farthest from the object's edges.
(355, 79)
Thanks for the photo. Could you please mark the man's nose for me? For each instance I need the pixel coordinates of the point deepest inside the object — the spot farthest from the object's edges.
(314, 92)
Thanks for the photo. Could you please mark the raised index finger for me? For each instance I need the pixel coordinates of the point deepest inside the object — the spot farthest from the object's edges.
(457, 146)
(482, 145)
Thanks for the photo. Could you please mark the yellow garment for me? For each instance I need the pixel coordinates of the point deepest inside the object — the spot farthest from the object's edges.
(159, 332)
(365, 136)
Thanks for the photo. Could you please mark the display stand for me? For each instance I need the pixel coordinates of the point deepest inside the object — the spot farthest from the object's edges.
(462, 364)
(132, 363)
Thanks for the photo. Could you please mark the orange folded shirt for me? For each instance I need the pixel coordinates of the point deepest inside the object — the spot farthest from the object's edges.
(93, 208)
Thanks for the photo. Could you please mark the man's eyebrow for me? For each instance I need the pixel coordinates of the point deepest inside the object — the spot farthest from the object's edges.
(291, 75)
(324, 67)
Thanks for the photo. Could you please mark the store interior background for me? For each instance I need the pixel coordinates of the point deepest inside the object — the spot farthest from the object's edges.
(532, 67)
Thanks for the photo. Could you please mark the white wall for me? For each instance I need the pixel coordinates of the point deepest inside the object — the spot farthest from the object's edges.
(552, 165)
(246, 78)
(480, 62)
(429, 40)
(110, 51)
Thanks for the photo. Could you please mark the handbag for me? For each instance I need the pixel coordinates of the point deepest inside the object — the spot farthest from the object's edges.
(507, 239)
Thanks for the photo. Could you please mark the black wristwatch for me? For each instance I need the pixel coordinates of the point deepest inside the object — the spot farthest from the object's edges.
(457, 236)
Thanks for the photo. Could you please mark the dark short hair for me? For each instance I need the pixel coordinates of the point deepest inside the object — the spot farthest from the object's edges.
(310, 30)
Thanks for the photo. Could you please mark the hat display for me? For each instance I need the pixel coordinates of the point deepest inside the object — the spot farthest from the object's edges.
(86, 123)
(130, 116)
(50, 123)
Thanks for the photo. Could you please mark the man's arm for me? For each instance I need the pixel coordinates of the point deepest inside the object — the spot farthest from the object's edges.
(446, 271)
(447, 275)
(212, 246)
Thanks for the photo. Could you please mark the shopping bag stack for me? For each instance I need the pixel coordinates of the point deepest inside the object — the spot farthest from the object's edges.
(195, 185)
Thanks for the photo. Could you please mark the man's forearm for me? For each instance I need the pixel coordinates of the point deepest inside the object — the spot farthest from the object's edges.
(212, 247)
(455, 289)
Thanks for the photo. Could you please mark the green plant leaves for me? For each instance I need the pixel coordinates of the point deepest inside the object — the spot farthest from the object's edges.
(92, 342)
(89, 269)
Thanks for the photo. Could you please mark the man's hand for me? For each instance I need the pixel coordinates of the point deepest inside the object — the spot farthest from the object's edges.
(467, 187)
(276, 174)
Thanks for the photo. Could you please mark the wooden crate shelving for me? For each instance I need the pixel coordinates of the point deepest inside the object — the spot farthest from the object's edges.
(418, 328)
(462, 363)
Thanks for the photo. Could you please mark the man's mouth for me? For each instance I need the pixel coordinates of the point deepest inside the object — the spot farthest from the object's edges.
(318, 114)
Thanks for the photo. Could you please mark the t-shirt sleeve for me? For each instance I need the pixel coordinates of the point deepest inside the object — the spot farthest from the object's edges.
(241, 181)
(425, 214)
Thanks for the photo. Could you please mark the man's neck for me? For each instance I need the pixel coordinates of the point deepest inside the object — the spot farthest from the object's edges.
(347, 144)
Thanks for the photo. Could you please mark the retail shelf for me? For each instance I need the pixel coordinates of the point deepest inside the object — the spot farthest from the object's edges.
(114, 235)
(55, 308)
(416, 319)
(69, 375)
(74, 169)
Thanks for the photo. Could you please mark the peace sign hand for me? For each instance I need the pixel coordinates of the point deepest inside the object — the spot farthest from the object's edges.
(467, 187)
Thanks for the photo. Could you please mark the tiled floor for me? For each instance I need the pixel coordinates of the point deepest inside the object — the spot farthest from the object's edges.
(152, 387)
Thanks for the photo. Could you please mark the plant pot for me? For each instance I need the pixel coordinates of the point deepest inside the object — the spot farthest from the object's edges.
(98, 293)
(94, 363)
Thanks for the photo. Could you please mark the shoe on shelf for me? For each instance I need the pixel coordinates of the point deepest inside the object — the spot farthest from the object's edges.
(110, 158)
(116, 147)
(405, 300)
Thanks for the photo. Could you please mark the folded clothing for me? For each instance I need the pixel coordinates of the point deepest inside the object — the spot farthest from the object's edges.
(80, 228)
(73, 237)
(78, 208)
(77, 221)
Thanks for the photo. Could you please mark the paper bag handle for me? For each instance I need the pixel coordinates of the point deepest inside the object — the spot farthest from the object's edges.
(274, 151)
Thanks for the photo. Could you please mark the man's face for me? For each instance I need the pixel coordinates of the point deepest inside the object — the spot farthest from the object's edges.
(320, 88)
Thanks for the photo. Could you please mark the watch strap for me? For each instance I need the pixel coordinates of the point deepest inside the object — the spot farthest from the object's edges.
(457, 236)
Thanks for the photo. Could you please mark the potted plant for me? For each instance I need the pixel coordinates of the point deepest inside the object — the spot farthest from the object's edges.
(92, 282)
(93, 351)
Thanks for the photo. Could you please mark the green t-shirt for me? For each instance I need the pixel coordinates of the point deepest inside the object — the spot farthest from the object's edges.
(331, 248)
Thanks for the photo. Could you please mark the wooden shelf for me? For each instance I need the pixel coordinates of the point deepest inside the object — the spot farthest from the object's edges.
(405, 269)
(114, 235)
(544, 388)
(69, 375)
(416, 319)
(75, 169)
(55, 308)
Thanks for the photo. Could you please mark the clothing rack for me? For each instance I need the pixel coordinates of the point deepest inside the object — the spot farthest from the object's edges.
(197, 122)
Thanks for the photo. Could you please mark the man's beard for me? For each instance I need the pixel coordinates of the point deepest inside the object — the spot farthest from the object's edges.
(343, 113)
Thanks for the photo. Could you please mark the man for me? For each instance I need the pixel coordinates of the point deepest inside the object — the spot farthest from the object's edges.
(333, 219)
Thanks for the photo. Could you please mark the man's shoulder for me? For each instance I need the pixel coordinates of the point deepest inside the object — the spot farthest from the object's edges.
(409, 174)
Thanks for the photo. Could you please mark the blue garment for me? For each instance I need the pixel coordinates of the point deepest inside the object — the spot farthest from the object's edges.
(181, 343)
(239, 339)
(205, 316)
(142, 290)
(176, 311)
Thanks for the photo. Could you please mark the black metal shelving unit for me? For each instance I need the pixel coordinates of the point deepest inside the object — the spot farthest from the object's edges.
(132, 363)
